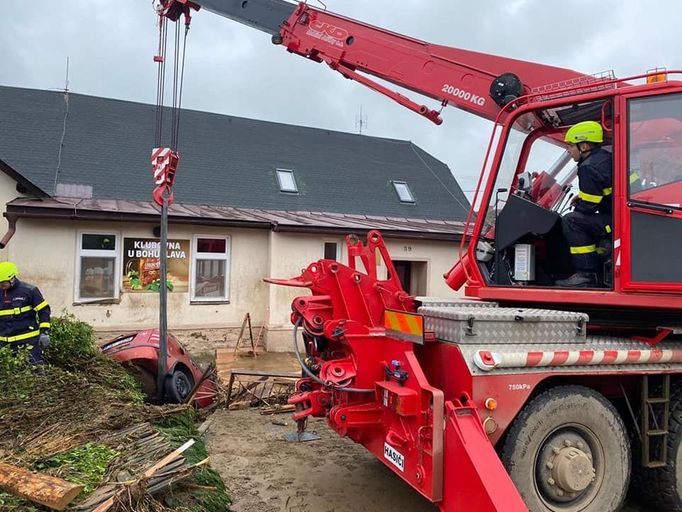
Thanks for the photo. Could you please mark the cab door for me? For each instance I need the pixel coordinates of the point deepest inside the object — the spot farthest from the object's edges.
(649, 253)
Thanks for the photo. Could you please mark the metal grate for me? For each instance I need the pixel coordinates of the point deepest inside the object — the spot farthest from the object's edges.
(581, 85)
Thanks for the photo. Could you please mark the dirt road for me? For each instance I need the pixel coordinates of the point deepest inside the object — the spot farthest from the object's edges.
(265, 474)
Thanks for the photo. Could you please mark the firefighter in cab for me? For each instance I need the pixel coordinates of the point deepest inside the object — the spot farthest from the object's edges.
(592, 214)
(24, 314)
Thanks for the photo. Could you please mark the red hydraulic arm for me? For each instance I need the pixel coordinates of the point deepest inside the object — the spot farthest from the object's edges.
(476, 82)
(463, 78)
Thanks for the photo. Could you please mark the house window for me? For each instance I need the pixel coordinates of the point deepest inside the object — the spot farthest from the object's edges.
(403, 191)
(331, 250)
(211, 264)
(98, 264)
(287, 181)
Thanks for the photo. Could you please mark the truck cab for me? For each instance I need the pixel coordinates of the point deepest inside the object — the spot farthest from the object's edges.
(517, 239)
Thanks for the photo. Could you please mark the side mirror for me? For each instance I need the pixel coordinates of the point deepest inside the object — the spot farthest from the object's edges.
(525, 182)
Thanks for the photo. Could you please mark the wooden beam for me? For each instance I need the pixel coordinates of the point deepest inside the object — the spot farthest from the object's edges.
(50, 491)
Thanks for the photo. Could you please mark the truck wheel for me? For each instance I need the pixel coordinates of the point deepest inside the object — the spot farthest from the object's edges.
(568, 451)
(178, 386)
(661, 488)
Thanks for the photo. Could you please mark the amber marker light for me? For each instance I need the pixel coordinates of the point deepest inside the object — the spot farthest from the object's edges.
(490, 404)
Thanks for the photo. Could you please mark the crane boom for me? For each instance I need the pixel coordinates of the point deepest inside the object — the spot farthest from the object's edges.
(476, 82)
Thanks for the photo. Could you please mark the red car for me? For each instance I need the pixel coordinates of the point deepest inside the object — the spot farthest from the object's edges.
(140, 353)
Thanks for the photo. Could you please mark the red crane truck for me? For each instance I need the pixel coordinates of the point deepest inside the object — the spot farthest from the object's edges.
(525, 395)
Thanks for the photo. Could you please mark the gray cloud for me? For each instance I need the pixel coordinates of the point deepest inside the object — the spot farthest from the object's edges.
(235, 70)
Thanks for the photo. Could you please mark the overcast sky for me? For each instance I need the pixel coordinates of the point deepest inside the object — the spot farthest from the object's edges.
(235, 70)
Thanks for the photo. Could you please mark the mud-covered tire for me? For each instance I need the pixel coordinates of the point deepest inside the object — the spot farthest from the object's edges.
(661, 488)
(568, 451)
(178, 387)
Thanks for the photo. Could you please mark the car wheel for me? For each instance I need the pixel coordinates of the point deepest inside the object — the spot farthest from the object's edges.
(568, 451)
(178, 386)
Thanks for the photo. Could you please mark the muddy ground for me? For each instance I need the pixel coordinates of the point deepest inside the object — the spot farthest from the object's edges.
(265, 474)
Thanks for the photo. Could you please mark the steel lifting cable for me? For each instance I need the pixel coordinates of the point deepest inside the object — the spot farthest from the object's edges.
(178, 81)
(160, 81)
(174, 109)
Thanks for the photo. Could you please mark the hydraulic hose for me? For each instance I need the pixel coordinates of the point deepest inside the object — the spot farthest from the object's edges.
(312, 375)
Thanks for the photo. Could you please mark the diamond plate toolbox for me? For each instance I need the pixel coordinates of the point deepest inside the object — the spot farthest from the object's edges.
(498, 325)
(438, 302)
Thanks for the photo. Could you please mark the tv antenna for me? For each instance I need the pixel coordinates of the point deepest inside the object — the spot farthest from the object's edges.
(360, 122)
(66, 79)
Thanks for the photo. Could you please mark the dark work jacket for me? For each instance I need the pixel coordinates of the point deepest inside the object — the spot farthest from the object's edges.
(595, 180)
(23, 312)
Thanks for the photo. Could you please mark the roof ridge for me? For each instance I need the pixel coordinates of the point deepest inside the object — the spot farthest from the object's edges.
(187, 110)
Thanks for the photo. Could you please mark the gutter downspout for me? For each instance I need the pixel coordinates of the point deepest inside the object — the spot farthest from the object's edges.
(12, 221)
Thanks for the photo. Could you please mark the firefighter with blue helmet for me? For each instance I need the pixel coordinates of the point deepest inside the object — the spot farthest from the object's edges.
(592, 215)
(24, 314)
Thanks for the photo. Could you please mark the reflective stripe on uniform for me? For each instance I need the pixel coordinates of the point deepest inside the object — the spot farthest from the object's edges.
(608, 191)
(15, 311)
(44, 325)
(41, 305)
(590, 198)
(607, 229)
(634, 177)
(584, 249)
(20, 337)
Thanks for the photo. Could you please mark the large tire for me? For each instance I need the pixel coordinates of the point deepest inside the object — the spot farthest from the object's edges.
(568, 451)
(661, 488)
(178, 386)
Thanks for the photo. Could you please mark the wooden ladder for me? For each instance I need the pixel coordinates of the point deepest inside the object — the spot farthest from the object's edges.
(253, 342)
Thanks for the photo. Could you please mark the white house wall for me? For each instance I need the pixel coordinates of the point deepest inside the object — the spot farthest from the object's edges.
(8, 191)
(440, 256)
(289, 254)
(46, 254)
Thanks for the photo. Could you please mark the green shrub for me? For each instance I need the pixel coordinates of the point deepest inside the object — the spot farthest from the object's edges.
(71, 342)
(14, 365)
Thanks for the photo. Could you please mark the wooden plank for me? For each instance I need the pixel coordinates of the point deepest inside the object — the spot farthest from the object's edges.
(229, 389)
(284, 381)
(52, 492)
(277, 409)
(264, 373)
(168, 458)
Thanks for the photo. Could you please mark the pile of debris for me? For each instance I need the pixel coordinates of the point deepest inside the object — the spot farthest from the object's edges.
(258, 388)
(83, 418)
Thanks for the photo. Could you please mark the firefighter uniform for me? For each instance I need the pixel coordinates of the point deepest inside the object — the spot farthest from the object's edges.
(592, 216)
(24, 316)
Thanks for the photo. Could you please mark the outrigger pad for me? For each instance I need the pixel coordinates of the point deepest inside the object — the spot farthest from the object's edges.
(301, 437)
